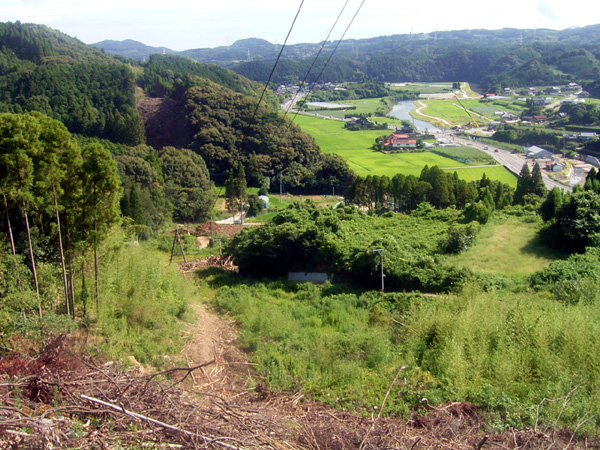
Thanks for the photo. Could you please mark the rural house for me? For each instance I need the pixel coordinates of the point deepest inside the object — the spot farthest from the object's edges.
(398, 141)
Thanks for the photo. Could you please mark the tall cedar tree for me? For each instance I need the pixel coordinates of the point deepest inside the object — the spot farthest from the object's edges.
(102, 190)
(19, 148)
(235, 189)
(523, 185)
(537, 182)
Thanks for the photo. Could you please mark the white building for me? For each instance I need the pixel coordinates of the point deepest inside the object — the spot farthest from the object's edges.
(535, 152)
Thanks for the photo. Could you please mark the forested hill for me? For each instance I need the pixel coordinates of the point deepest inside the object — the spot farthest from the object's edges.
(93, 93)
(203, 108)
(490, 58)
(45, 70)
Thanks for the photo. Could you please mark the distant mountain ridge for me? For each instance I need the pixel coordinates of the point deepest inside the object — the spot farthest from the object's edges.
(131, 49)
(253, 49)
(491, 59)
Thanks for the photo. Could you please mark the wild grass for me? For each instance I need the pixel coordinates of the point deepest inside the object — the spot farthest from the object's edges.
(143, 302)
(527, 359)
(506, 246)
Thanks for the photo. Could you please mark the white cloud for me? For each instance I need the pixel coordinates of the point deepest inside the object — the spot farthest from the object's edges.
(182, 24)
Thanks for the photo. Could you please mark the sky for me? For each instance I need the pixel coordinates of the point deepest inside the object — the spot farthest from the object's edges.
(189, 24)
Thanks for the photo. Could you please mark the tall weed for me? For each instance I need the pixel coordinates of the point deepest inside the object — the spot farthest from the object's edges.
(527, 359)
(142, 302)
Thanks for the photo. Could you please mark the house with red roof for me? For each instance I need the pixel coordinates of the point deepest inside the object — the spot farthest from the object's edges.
(400, 141)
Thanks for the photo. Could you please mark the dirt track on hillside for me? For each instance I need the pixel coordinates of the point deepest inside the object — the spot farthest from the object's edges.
(62, 397)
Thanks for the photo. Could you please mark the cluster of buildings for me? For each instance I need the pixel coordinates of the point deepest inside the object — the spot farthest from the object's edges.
(569, 89)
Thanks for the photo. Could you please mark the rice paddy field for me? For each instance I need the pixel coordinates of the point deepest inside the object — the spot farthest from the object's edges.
(355, 148)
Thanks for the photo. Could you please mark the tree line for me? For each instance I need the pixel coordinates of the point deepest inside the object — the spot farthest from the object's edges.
(440, 188)
(59, 199)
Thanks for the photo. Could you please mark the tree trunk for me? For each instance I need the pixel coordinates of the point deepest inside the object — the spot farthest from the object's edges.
(84, 292)
(70, 265)
(96, 265)
(62, 254)
(71, 285)
(12, 241)
(35, 279)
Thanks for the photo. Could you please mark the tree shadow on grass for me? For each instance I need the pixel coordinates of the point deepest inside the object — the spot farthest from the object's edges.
(217, 278)
(538, 247)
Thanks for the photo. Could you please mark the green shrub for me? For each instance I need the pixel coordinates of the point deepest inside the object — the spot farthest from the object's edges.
(459, 238)
(572, 280)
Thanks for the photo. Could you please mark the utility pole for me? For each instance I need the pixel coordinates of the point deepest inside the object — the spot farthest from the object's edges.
(280, 188)
(380, 251)
(241, 204)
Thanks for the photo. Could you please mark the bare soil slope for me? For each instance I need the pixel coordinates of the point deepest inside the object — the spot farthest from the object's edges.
(164, 121)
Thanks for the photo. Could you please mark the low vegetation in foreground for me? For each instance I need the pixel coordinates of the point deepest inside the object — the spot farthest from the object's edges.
(527, 359)
(514, 335)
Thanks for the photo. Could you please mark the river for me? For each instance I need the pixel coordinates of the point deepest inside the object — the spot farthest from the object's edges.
(401, 111)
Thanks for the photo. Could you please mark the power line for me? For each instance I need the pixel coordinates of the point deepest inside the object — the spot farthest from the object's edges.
(277, 60)
(316, 57)
(334, 50)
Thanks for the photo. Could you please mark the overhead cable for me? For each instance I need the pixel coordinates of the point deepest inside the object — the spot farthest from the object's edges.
(315, 59)
(334, 50)
(277, 60)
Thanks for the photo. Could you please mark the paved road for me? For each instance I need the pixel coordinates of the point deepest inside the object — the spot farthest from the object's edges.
(512, 161)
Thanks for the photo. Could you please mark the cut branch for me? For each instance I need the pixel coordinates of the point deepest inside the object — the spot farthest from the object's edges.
(159, 423)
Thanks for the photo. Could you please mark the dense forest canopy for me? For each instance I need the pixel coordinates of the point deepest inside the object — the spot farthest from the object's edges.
(44, 70)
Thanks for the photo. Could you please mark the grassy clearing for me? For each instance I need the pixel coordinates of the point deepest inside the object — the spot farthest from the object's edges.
(363, 106)
(276, 205)
(474, 156)
(506, 246)
(424, 88)
(448, 110)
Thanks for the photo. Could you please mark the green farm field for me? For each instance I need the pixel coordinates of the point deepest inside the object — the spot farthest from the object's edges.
(355, 148)
(451, 110)
(423, 88)
(448, 110)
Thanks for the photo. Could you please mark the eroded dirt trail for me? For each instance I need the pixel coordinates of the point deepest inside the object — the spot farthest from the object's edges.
(214, 338)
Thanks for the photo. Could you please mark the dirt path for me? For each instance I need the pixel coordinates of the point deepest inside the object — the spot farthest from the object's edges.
(294, 422)
(214, 338)
(423, 106)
